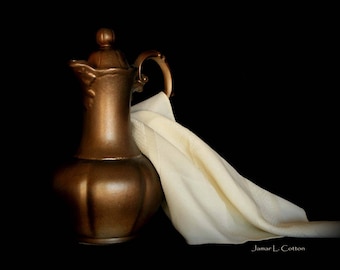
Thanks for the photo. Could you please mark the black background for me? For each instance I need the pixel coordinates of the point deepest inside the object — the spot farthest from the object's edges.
(259, 84)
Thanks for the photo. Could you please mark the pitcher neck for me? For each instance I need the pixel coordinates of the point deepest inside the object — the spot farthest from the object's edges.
(107, 128)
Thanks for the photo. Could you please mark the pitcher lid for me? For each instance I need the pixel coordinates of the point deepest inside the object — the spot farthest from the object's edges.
(107, 56)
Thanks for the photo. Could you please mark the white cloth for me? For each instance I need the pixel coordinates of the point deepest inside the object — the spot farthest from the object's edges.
(206, 199)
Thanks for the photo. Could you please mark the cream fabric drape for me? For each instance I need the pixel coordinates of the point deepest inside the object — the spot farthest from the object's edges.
(206, 199)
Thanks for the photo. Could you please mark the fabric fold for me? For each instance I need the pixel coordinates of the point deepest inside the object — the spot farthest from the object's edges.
(206, 199)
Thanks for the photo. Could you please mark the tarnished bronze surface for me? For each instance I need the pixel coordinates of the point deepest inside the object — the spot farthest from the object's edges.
(110, 188)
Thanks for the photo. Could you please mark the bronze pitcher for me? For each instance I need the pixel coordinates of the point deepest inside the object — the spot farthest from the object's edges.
(111, 189)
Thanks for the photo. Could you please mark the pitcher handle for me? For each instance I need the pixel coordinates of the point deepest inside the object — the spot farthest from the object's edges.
(163, 64)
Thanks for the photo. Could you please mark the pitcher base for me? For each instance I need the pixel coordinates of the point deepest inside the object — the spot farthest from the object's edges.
(105, 241)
